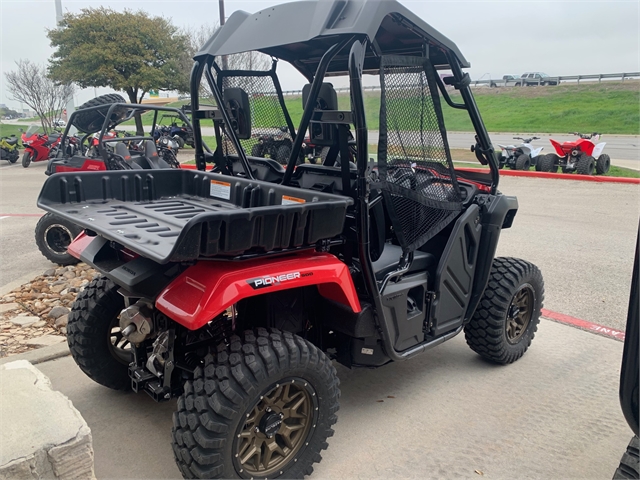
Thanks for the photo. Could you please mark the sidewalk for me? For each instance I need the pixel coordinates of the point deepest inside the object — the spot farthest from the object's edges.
(445, 414)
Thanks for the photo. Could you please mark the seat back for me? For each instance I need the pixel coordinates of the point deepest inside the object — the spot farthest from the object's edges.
(151, 154)
(122, 151)
(416, 174)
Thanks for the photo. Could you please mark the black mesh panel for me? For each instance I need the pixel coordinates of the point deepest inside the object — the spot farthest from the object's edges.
(416, 172)
(268, 120)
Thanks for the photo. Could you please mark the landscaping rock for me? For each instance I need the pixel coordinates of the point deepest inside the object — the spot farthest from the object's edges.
(62, 321)
(58, 312)
(43, 435)
(7, 307)
(24, 320)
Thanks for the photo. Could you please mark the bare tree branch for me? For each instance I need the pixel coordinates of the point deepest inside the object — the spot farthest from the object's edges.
(29, 84)
(241, 61)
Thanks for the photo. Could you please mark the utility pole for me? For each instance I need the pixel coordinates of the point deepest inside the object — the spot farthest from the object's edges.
(225, 65)
(70, 104)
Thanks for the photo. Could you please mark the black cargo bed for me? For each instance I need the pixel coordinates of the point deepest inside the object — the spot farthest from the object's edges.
(179, 215)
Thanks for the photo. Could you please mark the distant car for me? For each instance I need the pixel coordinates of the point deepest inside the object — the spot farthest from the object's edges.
(507, 81)
(537, 78)
(58, 122)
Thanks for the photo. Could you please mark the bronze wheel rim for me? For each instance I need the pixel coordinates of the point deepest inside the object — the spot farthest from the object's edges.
(519, 313)
(119, 346)
(275, 429)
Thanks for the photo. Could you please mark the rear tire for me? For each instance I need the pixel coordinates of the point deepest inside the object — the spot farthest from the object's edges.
(53, 235)
(282, 154)
(585, 165)
(548, 162)
(629, 464)
(603, 164)
(227, 411)
(256, 150)
(508, 314)
(523, 162)
(13, 157)
(93, 335)
(92, 120)
(27, 158)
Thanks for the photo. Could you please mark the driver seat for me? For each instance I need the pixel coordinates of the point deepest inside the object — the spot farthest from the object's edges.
(123, 151)
(12, 140)
(151, 155)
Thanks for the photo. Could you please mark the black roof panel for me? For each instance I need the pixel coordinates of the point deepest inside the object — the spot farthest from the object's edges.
(300, 32)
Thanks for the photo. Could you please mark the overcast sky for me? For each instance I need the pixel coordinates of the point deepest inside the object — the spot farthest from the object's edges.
(498, 37)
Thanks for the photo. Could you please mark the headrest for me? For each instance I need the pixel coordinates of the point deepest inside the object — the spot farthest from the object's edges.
(123, 151)
(150, 150)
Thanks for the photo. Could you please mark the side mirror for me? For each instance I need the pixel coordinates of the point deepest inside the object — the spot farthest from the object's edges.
(21, 130)
(236, 102)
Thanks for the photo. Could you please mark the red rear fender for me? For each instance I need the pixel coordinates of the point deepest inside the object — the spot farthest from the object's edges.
(208, 288)
(558, 147)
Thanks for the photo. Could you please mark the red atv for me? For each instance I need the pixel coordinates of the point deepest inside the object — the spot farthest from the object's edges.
(105, 149)
(234, 292)
(582, 156)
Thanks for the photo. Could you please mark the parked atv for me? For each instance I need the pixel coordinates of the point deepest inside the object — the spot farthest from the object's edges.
(9, 149)
(520, 157)
(234, 291)
(582, 156)
(277, 147)
(106, 148)
(183, 135)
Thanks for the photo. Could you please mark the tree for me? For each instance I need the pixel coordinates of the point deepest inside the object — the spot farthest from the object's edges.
(127, 51)
(29, 84)
(240, 61)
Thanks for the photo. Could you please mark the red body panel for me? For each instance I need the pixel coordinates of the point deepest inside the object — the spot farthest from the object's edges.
(566, 148)
(39, 145)
(208, 288)
(89, 164)
(81, 242)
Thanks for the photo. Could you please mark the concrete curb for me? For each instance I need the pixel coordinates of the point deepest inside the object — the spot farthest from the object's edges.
(558, 176)
(40, 355)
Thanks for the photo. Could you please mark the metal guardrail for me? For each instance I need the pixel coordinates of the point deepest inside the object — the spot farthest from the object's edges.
(511, 83)
(559, 79)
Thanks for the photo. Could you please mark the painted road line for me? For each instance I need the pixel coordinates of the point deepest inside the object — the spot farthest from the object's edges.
(557, 176)
(583, 324)
(7, 215)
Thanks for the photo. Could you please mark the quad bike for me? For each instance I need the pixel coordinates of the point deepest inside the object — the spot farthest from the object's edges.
(234, 291)
(38, 146)
(275, 146)
(183, 135)
(520, 157)
(582, 156)
(106, 148)
(9, 149)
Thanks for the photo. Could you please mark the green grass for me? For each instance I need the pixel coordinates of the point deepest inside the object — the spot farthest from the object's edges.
(7, 130)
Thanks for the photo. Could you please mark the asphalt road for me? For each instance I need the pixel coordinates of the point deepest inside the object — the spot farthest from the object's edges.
(444, 414)
(581, 235)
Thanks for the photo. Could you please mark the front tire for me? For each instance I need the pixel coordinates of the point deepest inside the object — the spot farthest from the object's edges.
(507, 317)
(523, 162)
(263, 407)
(629, 464)
(603, 164)
(94, 337)
(53, 235)
(27, 158)
(548, 163)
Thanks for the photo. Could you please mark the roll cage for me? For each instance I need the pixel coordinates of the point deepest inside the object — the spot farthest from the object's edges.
(342, 51)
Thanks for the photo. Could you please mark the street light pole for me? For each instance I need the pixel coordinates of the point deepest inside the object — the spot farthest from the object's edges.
(225, 66)
(70, 104)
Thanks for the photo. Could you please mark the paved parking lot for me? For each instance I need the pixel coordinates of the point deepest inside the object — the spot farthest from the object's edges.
(445, 414)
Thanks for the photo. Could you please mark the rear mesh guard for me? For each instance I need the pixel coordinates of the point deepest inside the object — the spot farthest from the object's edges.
(416, 173)
(267, 114)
